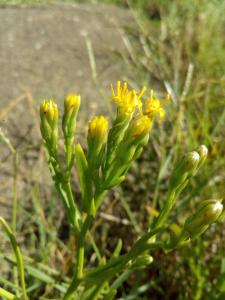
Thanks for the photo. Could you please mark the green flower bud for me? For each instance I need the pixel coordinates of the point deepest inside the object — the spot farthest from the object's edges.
(203, 153)
(143, 261)
(208, 212)
(49, 125)
(71, 106)
(184, 168)
(49, 112)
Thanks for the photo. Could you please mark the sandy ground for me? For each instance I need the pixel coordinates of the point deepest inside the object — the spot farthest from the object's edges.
(45, 52)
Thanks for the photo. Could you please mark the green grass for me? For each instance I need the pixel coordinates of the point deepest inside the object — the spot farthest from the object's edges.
(176, 47)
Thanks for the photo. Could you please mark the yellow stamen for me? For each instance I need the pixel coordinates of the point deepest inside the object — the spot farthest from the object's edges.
(154, 108)
(126, 100)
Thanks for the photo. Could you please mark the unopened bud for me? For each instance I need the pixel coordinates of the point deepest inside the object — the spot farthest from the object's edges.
(97, 136)
(49, 112)
(98, 127)
(142, 261)
(138, 131)
(208, 212)
(72, 102)
(203, 153)
(49, 124)
(71, 106)
(184, 168)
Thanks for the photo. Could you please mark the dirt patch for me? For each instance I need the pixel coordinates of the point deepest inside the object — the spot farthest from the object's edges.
(47, 51)
(44, 48)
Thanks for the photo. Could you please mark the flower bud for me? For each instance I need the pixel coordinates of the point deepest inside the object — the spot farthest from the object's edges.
(72, 102)
(138, 130)
(71, 106)
(184, 168)
(97, 136)
(98, 128)
(203, 153)
(49, 124)
(142, 261)
(49, 112)
(208, 212)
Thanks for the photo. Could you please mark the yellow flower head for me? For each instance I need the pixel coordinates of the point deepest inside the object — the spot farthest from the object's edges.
(126, 100)
(49, 111)
(154, 108)
(140, 126)
(98, 127)
(72, 101)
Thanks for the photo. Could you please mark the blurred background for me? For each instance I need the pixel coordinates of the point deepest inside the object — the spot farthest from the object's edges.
(51, 48)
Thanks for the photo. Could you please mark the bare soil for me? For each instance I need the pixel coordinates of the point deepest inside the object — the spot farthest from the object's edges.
(47, 51)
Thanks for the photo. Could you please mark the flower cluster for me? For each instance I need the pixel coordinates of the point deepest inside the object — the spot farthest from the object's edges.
(128, 100)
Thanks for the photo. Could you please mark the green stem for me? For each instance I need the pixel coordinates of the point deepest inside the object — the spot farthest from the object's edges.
(159, 222)
(14, 206)
(74, 210)
(117, 264)
(18, 255)
(80, 259)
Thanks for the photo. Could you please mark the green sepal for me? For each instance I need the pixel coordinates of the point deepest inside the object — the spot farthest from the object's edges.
(142, 261)
(115, 136)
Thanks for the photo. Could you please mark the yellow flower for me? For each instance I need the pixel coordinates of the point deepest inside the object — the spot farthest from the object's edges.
(154, 108)
(49, 111)
(72, 101)
(98, 127)
(126, 100)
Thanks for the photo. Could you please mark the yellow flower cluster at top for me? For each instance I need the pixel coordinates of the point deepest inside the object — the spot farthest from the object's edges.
(128, 100)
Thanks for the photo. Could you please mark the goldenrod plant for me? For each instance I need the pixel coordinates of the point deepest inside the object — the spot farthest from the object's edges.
(102, 165)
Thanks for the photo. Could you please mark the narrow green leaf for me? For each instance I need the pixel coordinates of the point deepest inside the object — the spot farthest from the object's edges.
(84, 177)
(7, 295)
